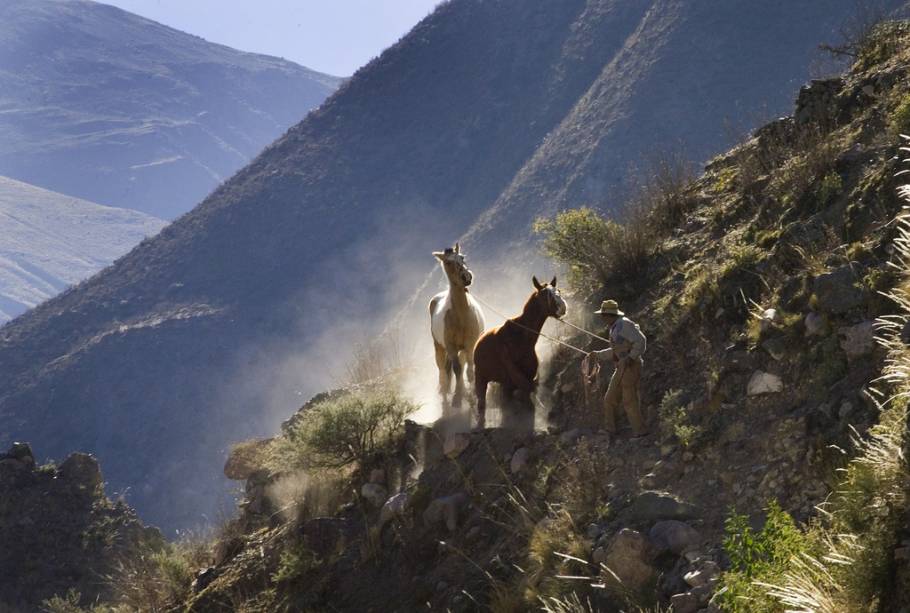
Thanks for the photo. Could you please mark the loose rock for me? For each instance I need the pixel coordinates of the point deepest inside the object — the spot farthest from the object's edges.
(519, 460)
(857, 340)
(675, 536)
(629, 558)
(656, 506)
(764, 383)
(837, 292)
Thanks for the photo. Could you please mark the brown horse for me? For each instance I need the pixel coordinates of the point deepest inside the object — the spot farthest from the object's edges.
(506, 354)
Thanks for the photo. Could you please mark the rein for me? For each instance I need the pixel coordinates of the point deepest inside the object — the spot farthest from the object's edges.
(531, 330)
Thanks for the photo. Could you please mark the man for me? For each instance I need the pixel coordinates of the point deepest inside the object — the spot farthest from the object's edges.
(627, 345)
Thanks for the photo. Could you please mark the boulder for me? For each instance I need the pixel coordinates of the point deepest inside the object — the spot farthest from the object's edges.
(764, 383)
(858, 340)
(837, 291)
(815, 324)
(684, 603)
(519, 460)
(374, 494)
(776, 347)
(21, 452)
(816, 102)
(657, 506)
(629, 557)
(82, 470)
(455, 444)
(445, 510)
(245, 459)
(673, 535)
(394, 507)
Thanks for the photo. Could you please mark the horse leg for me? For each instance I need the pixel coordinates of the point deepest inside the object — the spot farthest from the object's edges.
(442, 363)
(480, 390)
(457, 369)
(469, 364)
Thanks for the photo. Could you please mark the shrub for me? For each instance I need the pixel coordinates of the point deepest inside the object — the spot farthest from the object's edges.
(758, 558)
(881, 42)
(595, 250)
(674, 419)
(295, 561)
(900, 121)
(664, 192)
(343, 430)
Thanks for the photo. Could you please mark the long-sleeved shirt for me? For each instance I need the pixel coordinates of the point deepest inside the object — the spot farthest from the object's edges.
(626, 340)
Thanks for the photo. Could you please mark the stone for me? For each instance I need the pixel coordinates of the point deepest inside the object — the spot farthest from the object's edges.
(455, 444)
(768, 318)
(815, 324)
(82, 470)
(837, 292)
(629, 557)
(394, 507)
(377, 475)
(21, 452)
(657, 506)
(858, 340)
(519, 460)
(764, 383)
(816, 102)
(593, 531)
(684, 603)
(570, 436)
(695, 578)
(675, 536)
(599, 555)
(203, 579)
(445, 510)
(374, 494)
(776, 347)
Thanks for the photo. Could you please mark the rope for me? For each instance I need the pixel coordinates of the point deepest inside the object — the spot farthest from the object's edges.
(580, 329)
(531, 330)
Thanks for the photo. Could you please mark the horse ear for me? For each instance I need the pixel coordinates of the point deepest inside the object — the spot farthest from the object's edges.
(457, 248)
(536, 283)
(439, 255)
(553, 282)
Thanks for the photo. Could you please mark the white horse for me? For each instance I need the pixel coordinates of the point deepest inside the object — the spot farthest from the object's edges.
(456, 323)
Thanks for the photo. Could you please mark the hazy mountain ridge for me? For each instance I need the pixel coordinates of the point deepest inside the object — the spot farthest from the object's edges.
(49, 241)
(476, 106)
(106, 105)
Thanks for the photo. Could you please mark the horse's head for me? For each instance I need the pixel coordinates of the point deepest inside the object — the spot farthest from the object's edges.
(453, 264)
(549, 299)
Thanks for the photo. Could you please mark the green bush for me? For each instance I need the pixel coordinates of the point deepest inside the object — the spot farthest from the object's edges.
(595, 250)
(758, 558)
(674, 420)
(344, 430)
(900, 121)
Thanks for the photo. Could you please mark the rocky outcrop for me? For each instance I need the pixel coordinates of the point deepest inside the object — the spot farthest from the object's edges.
(59, 531)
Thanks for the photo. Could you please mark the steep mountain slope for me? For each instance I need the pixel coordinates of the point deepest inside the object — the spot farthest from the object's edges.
(108, 106)
(49, 241)
(761, 309)
(194, 338)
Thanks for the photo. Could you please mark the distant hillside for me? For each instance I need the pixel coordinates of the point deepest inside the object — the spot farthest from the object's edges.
(117, 109)
(211, 332)
(49, 241)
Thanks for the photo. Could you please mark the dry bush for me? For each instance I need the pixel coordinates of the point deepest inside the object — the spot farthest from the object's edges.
(375, 359)
(344, 430)
(598, 251)
(665, 193)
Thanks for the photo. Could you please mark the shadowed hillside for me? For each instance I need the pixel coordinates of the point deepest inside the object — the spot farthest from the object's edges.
(117, 109)
(180, 347)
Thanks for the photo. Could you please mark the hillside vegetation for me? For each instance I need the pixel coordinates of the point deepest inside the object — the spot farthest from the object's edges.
(488, 114)
(775, 476)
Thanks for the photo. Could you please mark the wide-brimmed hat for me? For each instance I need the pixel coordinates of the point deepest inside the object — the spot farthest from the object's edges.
(609, 307)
